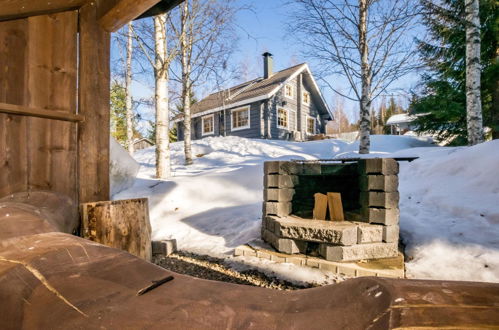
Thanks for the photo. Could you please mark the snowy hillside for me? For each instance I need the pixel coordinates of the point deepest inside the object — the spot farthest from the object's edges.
(449, 201)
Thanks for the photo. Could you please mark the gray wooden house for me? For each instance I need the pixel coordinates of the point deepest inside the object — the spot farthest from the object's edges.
(286, 105)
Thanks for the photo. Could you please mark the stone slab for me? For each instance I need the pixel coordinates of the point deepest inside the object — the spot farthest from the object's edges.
(381, 216)
(338, 232)
(369, 233)
(387, 267)
(282, 167)
(284, 245)
(387, 200)
(278, 195)
(385, 166)
(358, 252)
(280, 209)
(280, 181)
(391, 233)
(386, 183)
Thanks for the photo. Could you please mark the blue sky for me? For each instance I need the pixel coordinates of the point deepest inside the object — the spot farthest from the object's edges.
(263, 28)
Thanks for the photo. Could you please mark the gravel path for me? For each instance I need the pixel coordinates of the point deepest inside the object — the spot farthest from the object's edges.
(211, 268)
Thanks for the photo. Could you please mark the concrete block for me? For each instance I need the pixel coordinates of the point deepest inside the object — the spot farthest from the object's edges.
(346, 270)
(250, 253)
(387, 183)
(282, 167)
(358, 252)
(285, 245)
(328, 266)
(391, 233)
(334, 232)
(369, 233)
(278, 259)
(280, 209)
(280, 181)
(263, 255)
(312, 263)
(311, 169)
(363, 272)
(387, 200)
(242, 250)
(278, 195)
(381, 216)
(298, 261)
(164, 247)
(385, 166)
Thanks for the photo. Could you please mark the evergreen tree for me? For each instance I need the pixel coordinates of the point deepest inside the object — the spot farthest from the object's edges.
(118, 112)
(443, 96)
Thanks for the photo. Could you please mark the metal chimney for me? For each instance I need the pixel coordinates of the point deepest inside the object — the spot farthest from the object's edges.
(267, 65)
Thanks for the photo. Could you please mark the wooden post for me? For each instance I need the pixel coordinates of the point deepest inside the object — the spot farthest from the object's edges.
(120, 224)
(93, 96)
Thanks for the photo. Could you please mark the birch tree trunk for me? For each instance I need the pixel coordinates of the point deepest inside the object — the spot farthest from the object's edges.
(365, 100)
(473, 68)
(185, 50)
(128, 92)
(161, 99)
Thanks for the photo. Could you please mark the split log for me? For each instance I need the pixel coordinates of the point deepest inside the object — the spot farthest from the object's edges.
(335, 206)
(120, 224)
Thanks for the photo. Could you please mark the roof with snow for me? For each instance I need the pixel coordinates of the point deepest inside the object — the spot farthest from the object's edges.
(257, 90)
(400, 119)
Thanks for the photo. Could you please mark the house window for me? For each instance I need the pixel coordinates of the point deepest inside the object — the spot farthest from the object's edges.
(306, 98)
(288, 91)
(208, 125)
(240, 118)
(310, 125)
(282, 118)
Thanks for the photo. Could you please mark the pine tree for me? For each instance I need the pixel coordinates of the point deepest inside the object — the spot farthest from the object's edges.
(443, 96)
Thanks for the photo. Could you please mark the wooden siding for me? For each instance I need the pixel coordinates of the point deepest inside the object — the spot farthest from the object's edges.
(38, 64)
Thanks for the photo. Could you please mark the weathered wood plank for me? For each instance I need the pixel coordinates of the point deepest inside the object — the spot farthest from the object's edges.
(117, 13)
(93, 96)
(56, 114)
(10, 9)
(13, 61)
(120, 224)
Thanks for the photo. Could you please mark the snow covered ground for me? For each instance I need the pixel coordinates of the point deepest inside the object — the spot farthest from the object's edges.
(449, 202)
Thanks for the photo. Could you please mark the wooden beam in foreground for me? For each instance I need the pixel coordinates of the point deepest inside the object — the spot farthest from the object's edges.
(10, 9)
(40, 113)
(120, 12)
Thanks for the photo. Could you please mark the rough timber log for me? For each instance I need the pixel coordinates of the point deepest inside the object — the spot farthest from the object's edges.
(52, 280)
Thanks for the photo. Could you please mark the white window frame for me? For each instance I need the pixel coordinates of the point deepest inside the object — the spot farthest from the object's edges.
(315, 124)
(292, 91)
(232, 128)
(208, 117)
(287, 118)
(303, 98)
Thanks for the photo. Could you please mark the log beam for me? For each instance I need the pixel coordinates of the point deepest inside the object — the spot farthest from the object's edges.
(23, 8)
(116, 13)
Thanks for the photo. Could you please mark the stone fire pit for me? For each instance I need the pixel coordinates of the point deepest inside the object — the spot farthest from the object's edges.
(370, 198)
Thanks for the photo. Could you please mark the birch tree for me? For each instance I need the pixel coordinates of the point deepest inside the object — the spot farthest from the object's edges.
(473, 69)
(160, 58)
(128, 90)
(366, 41)
(206, 41)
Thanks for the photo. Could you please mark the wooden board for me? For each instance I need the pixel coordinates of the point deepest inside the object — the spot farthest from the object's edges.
(93, 96)
(320, 206)
(38, 70)
(335, 206)
(120, 224)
